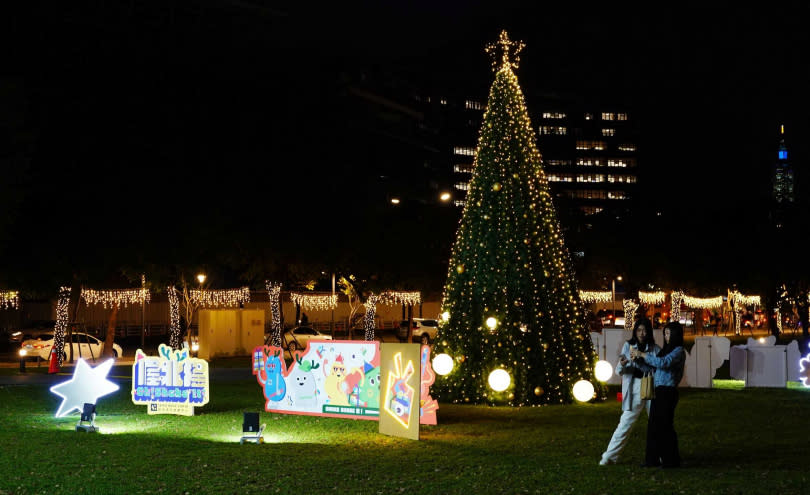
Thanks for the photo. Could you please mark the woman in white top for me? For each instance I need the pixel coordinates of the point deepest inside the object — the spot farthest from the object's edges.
(631, 373)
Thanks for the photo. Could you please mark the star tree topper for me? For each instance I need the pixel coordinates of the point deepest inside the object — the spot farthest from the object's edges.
(505, 52)
(86, 386)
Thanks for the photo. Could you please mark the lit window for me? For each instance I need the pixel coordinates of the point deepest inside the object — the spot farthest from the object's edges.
(560, 178)
(591, 210)
(557, 163)
(608, 132)
(607, 116)
(462, 186)
(556, 130)
(459, 202)
(588, 116)
(591, 145)
(621, 116)
(621, 162)
(462, 168)
(591, 178)
(622, 179)
(553, 115)
(443, 101)
(464, 151)
(589, 162)
(616, 195)
(627, 147)
(473, 105)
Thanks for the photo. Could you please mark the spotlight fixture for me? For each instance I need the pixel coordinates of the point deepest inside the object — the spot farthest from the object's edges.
(87, 421)
(251, 431)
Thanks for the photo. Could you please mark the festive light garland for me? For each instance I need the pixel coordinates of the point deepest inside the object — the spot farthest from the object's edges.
(652, 298)
(510, 51)
(702, 303)
(630, 307)
(739, 299)
(593, 296)
(676, 297)
(408, 298)
(62, 320)
(10, 299)
(175, 332)
(317, 302)
(274, 295)
(215, 298)
(116, 298)
(370, 318)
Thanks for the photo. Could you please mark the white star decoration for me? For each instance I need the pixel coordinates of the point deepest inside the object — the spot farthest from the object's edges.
(87, 385)
(804, 370)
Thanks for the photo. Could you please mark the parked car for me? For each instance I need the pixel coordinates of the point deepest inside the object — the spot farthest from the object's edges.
(298, 337)
(30, 331)
(84, 345)
(423, 330)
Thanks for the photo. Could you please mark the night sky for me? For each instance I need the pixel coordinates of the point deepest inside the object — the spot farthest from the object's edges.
(174, 132)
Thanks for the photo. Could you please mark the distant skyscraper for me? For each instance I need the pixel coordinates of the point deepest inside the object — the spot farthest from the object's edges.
(783, 174)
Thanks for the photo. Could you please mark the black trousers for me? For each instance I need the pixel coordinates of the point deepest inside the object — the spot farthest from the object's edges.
(662, 441)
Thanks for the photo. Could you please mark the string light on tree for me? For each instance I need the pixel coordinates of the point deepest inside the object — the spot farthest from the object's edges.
(10, 299)
(175, 332)
(630, 307)
(274, 295)
(317, 302)
(509, 262)
(370, 318)
(676, 298)
(229, 298)
(62, 320)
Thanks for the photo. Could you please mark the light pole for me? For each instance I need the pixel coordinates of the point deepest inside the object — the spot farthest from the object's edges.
(613, 299)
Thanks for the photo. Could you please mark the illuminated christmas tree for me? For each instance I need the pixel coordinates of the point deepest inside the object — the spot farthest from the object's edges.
(510, 301)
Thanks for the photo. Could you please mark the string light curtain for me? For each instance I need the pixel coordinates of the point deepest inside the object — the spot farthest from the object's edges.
(702, 302)
(652, 298)
(274, 296)
(229, 298)
(593, 296)
(116, 298)
(317, 302)
(408, 298)
(175, 332)
(62, 321)
(10, 299)
(509, 268)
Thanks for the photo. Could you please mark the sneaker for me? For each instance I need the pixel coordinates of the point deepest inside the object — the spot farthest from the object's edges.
(605, 462)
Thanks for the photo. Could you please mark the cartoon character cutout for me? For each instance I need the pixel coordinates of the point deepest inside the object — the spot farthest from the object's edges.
(428, 405)
(369, 393)
(399, 395)
(303, 391)
(334, 381)
(271, 377)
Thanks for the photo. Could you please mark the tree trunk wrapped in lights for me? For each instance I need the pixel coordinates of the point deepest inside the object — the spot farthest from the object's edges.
(510, 300)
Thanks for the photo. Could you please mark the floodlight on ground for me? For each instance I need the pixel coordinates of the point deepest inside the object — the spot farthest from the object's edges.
(87, 420)
(251, 431)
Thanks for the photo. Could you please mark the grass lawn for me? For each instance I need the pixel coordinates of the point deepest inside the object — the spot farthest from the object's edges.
(733, 440)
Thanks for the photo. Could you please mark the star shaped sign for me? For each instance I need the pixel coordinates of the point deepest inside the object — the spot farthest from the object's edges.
(86, 386)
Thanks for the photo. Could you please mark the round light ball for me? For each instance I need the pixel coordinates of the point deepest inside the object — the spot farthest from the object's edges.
(603, 370)
(496, 186)
(538, 391)
(445, 316)
(492, 323)
(499, 380)
(460, 268)
(442, 364)
(583, 391)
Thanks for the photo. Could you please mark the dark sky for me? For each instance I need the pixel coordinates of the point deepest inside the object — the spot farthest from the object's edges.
(183, 123)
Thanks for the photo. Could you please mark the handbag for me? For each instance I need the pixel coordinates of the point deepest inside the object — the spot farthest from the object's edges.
(647, 387)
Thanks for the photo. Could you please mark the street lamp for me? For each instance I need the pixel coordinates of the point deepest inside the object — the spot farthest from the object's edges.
(613, 298)
(445, 196)
(191, 344)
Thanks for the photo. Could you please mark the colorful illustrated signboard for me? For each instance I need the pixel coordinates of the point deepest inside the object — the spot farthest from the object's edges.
(171, 383)
(86, 386)
(401, 365)
(335, 378)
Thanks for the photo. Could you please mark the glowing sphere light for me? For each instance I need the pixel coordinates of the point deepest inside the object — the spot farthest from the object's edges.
(442, 364)
(583, 391)
(499, 380)
(603, 370)
(492, 323)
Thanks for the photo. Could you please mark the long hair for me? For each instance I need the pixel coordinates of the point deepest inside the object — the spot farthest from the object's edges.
(649, 340)
(675, 338)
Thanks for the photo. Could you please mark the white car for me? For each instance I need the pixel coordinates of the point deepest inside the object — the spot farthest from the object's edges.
(424, 330)
(298, 337)
(84, 346)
